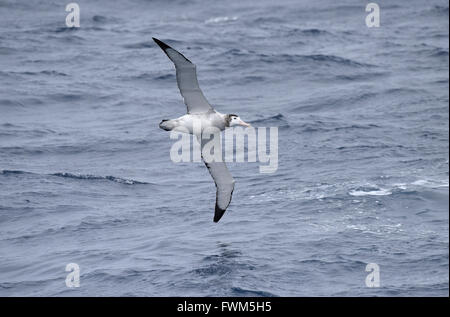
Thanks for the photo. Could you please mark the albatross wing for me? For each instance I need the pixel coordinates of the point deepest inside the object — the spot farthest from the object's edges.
(187, 80)
(224, 185)
(223, 180)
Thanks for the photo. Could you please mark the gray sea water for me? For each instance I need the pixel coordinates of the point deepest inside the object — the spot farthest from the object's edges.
(86, 176)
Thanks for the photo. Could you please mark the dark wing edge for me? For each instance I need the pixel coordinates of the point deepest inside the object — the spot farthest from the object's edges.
(220, 208)
(165, 47)
(187, 81)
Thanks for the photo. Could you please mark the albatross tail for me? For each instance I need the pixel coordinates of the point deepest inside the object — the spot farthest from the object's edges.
(167, 125)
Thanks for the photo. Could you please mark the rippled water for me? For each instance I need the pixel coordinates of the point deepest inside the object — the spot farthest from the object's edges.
(85, 173)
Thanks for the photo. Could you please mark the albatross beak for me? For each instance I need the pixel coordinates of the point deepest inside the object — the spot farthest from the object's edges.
(244, 124)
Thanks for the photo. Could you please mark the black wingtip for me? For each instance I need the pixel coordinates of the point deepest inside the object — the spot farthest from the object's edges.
(218, 213)
(165, 47)
(161, 44)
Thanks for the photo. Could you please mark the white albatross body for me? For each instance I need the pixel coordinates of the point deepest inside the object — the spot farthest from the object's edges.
(203, 120)
(200, 111)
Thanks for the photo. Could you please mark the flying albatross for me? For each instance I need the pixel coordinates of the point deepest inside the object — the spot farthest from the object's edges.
(198, 108)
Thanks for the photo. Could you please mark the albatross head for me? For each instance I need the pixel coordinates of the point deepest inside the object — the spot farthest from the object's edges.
(233, 120)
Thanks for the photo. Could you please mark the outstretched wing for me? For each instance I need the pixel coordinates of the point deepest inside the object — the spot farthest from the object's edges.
(224, 183)
(187, 80)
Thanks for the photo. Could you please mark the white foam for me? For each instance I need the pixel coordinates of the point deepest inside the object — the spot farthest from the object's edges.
(378, 192)
(221, 19)
(401, 186)
(420, 182)
(431, 183)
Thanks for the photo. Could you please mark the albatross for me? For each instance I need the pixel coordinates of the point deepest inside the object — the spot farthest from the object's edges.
(198, 108)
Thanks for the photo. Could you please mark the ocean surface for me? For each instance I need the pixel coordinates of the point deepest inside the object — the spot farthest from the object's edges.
(86, 176)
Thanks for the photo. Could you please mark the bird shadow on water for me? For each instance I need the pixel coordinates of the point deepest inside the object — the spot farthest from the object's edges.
(223, 273)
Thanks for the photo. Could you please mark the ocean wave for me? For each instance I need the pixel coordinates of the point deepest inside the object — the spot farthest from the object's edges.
(306, 193)
(43, 72)
(162, 77)
(316, 104)
(336, 60)
(148, 76)
(325, 60)
(378, 229)
(322, 126)
(80, 177)
(364, 76)
(370, 192)
(277, 119)
(28, 284)
(338, 261)
(268, 19)
(405, 188)
(63, 29)
(221, 19)
(9, 125)
(440, 53)
(101, 19)
(20, 150)
(431, 183)
(95, 177)
(87, 224)
(13, 172)
(237, 291)
(249, 79)
(299, 60)
(310, 32)
(139, 45)
(436, 10)
(67, 97)
(11, 103)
